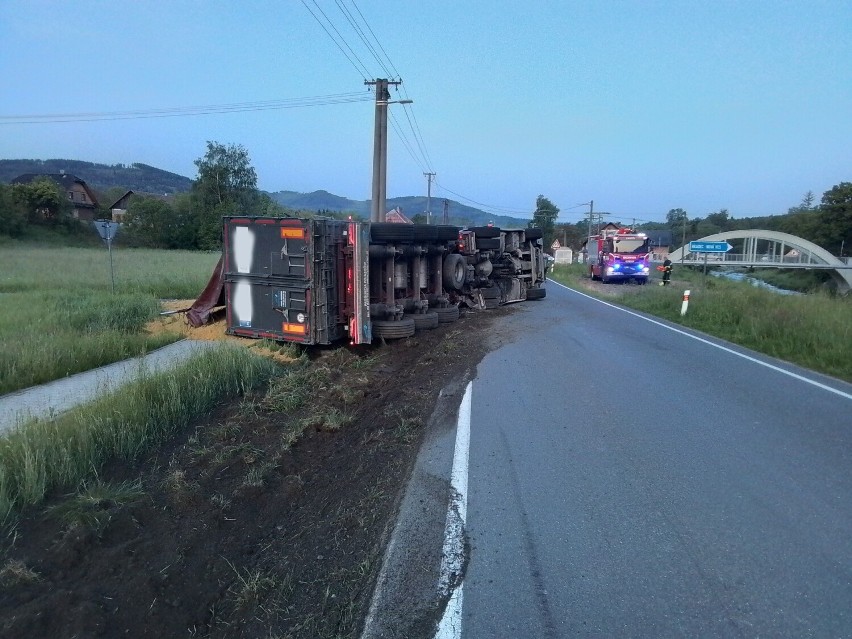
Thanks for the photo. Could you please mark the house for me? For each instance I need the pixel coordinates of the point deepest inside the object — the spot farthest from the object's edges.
(397, 217)
(118, 209)
(83, 199)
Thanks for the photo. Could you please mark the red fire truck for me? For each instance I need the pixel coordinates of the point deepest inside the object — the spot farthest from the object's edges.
(619, 255)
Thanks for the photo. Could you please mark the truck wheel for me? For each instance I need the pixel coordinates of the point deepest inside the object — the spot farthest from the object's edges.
(391, 232)
(592, 273)
(533, 234)
(454, 271)
(393, 329)
(425, 321)
(536, 293)
(447, 232)
(424, 232)
(448, 314)
(485, 231)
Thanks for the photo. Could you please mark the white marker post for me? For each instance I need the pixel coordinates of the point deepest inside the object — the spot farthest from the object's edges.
(685, 304)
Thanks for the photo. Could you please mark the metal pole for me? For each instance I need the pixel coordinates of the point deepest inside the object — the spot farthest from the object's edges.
(111, 270)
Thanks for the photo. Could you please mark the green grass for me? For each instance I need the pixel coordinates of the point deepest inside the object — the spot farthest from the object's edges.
(814, 331)
(43, 456)
(58, 315)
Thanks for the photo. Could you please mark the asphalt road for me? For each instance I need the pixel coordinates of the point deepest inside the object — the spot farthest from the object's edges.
(628, 480)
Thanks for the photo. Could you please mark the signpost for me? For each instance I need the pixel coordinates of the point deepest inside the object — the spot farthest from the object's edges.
(709, 247)
(107, 230)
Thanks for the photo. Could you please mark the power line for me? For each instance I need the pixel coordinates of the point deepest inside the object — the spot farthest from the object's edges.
(238, 107)
(378, 42)
(346, 14)
(363, 72)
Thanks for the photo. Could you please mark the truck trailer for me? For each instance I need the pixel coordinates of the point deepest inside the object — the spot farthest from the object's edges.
(321, 281)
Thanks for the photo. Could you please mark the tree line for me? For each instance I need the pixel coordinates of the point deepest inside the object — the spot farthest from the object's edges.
(827, 224)
(226, 184)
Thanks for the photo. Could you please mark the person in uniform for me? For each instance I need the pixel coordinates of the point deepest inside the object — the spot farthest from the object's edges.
(667, 272)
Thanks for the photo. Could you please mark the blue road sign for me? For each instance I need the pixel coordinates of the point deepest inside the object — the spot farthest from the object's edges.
(709, 247)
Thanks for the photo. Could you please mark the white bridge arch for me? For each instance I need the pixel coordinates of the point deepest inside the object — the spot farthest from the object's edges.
(769, 249)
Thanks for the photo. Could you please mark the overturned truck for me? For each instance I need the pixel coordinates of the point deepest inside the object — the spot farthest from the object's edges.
(323, 281)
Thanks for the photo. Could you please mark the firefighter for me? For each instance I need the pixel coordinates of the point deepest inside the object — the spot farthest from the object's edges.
(667, 272)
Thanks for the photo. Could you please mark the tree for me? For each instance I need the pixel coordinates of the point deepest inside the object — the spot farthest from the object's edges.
(676, 218)
(226, 185)
(719, 220)
(544, 218)
(43, 201)
(13, 217)
(151, 222)
(834, 232)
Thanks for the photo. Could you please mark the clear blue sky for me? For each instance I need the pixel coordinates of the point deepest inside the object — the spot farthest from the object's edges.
(639, 106)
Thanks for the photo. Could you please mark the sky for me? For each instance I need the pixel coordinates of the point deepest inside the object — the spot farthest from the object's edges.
(638, 106)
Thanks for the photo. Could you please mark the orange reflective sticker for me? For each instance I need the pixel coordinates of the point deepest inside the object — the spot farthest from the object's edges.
(293, 234)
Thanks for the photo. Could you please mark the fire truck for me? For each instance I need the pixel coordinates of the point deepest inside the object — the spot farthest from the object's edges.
(320, 281)
(619, 254)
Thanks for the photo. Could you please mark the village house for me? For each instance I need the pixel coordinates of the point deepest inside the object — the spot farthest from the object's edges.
(83, 199)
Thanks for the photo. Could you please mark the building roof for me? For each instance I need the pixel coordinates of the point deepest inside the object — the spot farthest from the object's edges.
(397, 217)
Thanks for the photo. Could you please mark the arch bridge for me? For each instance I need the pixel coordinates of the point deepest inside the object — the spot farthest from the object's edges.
(756, 248)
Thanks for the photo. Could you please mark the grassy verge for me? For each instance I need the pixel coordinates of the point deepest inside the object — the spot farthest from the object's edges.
(814, 331)
(42, 456)
(58, 315)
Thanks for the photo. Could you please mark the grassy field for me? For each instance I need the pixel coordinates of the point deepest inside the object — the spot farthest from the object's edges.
(41, 456)
(59, 316)
(814, 331)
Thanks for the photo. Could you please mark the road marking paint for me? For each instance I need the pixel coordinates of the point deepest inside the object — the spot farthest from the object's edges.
(452, 559)
(719, 346)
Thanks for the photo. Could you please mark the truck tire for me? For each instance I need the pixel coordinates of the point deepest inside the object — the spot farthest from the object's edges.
(533, 234)
(447, 314)
(447, 232)
(425, 321)
(455, 271)
(537, 293)
(424, 233)
(485, 231)
(592, 273)
(391, 232)
(393, 329)
(488, 243)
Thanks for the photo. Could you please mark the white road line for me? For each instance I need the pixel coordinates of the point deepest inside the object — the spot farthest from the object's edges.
(719, 346)
(452, 561)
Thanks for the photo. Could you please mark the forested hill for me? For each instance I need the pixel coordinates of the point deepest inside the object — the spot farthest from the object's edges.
(135, 177)
(410, 206)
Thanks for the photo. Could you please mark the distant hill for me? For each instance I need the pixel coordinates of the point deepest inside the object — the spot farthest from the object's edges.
(459, 214)
(148, 179)
(135, 177)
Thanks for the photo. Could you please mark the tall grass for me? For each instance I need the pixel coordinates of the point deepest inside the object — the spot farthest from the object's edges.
(41, 456)
(814, 330)
(58, 315)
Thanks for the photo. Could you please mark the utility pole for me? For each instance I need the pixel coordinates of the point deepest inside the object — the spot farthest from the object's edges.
(429, 177)
(591, 215)
(380, 148)
(446, 218)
